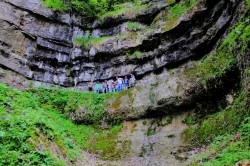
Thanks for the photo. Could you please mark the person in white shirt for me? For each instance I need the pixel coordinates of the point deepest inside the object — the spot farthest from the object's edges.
(132, 81)
(119, 84)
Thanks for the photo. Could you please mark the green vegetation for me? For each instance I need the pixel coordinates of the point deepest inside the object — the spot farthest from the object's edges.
(136, 54)
(227, 149)
(55, 4)
(32, 126)
(133, 26)
(189, 120)
(150, 132)
(226, 132)
(88, 8)
(119, 11)
(66, 101)
(225, 58)
(88, 42)
(178, 9)
(223, 122)
(169, 119)
(173, 13)
(105, 143)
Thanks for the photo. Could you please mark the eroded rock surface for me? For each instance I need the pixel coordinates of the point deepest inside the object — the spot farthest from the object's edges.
(40, 44)
(148, 142)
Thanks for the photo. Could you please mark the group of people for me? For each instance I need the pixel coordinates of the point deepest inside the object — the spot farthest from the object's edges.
(114, 86)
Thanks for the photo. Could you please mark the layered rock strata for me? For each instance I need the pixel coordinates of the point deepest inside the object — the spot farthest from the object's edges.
(39, 43)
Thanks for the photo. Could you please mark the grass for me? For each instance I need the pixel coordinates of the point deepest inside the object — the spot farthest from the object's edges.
(88, 42)
(178, 9)
(135, 9)
(223, 122)
(66, 101)
(173, 13)
(55, 4)
(134, 26)
(105, 143)
(226, 133)
(189, 120)
(136, 54)
(226, 149)
(34, 118)
(89, 9)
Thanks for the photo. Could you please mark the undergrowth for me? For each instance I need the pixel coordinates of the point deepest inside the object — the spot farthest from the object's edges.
(31, 122)
(87, 42)
(226, 121)
(136, 54)
(172, 13)
(225, 57)
(120, 11)
(224, 136)
(88, 8)
(133, 26)
(180, 8)
(226, 149)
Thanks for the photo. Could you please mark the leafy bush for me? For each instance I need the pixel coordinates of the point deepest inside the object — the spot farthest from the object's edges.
(55, 4)
(189, 120)
(32, 119)
(136, 54)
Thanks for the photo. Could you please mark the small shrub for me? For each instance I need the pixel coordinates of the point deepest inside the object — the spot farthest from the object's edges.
(136, 54)
(150, 132)
(169, 119)
(189, 120)
(133, 26)
(88, 42)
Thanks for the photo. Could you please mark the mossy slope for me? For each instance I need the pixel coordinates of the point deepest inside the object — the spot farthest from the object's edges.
(32, 119)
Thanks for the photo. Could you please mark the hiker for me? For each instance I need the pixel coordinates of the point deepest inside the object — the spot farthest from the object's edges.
(132, 81)
(109, 83)
(119, 84)
(125, 82)
(105, 87)
(113, 86)
(97, 87)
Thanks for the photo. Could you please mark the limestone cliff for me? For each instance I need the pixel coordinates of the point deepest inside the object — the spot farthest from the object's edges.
(41, 44)
(190, 59)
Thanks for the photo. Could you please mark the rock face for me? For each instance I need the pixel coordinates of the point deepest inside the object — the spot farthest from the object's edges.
(170, 93)
(153, 142)
(40, 44)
